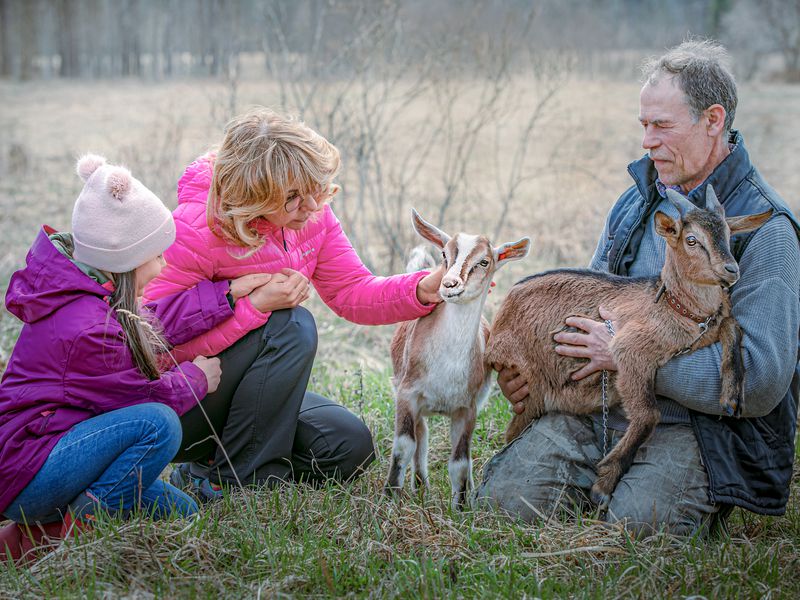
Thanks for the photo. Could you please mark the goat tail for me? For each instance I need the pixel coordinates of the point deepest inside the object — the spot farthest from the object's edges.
(419, 258)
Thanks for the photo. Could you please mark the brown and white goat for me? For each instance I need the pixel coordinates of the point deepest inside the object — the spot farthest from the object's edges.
(684, 309)
(438, 360)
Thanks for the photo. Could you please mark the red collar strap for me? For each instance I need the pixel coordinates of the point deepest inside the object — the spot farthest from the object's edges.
(678, 306)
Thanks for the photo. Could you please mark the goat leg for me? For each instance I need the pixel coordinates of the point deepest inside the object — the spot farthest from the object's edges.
(462, 424)
(534, 408)
(643, 416)
(420, 480)
(731, 396)
(404, 445)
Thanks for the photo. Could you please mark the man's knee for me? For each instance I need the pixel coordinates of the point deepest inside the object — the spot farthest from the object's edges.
(666, 489)
(647, 515)
(548, 465)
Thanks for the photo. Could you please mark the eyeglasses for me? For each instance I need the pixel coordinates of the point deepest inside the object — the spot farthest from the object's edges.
(297, 199)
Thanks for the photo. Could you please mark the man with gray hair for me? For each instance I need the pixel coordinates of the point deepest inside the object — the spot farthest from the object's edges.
(699, 462)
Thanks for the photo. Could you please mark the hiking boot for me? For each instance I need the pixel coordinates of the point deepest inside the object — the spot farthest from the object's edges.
(200, 487)
(24, 543)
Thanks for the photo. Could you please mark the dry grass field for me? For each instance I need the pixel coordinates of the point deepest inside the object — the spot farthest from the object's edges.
(574, 169)
(350, 541)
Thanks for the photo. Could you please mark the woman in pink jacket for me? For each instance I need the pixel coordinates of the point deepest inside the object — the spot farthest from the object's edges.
(259, 204)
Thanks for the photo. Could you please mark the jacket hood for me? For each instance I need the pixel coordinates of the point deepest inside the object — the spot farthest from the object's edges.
(193, 189)
(195, 183)
(48, 281)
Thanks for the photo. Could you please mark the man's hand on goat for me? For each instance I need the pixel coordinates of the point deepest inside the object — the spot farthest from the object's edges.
(514, 387)
(591, 345)
(428, 287)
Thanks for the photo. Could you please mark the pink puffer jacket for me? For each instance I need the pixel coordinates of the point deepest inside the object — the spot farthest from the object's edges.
(320, 251)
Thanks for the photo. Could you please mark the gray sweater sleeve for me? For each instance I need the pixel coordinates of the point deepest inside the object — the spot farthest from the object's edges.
(766, 303)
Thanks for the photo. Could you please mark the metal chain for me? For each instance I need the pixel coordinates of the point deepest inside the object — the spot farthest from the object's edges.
(604, 383)
(704, 326)
(604, 392)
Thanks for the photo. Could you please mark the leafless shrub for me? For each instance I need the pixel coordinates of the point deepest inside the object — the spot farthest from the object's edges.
(758, 29)
(156, 157)
(454, 91)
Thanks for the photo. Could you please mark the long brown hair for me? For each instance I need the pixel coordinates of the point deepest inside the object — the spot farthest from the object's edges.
(261, 155)
(142, 335)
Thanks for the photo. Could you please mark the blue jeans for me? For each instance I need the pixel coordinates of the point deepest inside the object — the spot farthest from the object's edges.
(115, 458)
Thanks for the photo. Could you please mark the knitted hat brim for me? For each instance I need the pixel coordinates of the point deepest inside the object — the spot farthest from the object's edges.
(122, 260)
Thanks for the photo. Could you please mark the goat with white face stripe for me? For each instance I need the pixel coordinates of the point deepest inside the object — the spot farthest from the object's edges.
(438, 360)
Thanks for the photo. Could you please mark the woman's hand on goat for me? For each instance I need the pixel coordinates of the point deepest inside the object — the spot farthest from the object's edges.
(428, 287)
(286, 289)
(514, 387)
(591, 345)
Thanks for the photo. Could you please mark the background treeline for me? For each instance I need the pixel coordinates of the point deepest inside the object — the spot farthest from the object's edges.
(159, 39)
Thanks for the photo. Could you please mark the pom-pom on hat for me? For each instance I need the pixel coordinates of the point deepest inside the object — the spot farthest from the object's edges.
(117, 223)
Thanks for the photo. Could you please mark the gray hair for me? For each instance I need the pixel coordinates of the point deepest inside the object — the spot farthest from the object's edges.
(701, 70)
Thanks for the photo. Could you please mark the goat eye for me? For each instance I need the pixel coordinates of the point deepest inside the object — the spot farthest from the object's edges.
(484, 263)
(691, 240)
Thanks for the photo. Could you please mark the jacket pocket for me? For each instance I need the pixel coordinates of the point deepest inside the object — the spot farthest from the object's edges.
(38, 426)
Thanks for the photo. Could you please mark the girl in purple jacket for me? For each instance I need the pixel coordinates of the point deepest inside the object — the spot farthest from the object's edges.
(88, 407)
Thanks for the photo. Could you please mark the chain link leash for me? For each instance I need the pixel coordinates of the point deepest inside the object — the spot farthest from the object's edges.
(604, 392)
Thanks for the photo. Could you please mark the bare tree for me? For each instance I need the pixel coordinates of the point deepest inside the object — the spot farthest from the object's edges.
(6, 52)
(783, 17)
(405, 106)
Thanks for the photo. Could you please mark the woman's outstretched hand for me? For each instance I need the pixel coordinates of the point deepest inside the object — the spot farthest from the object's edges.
(286, 289)
(428, 287)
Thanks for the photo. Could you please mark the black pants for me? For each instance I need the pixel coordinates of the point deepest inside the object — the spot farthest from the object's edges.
(271, 428)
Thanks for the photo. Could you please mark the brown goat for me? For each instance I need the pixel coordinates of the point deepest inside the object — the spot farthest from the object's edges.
(684, 309)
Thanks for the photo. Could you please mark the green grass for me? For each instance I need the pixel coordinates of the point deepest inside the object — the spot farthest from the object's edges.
(349, 540)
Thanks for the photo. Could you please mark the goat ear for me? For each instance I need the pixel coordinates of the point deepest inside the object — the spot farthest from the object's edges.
(433, 234)
(667, 227)
(748, 222)
(512, 251)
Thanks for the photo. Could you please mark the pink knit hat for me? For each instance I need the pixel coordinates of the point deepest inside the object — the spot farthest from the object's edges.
(117, 223)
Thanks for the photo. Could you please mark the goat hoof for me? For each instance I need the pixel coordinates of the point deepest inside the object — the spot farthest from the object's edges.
(458, 505)
(392, 491)
(601, 499)
(731, 407)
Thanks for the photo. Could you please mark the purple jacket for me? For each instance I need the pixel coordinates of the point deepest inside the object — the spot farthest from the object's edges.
(71, 363)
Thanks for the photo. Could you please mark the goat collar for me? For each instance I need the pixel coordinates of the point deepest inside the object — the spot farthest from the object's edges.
(678, 306)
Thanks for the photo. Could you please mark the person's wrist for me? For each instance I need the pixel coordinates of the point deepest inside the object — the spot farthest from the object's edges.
(229, 294)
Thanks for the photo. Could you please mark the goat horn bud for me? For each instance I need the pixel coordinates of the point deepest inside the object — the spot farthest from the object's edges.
(712, 203)
(679, 202)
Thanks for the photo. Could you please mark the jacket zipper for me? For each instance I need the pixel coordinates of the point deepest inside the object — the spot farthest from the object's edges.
(47, 414)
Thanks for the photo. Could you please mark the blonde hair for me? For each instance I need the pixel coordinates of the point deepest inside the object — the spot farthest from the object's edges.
(262, 154)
